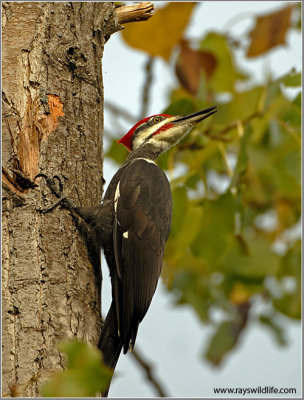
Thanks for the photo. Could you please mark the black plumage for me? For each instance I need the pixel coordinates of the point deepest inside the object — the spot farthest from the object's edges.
(141, 227)
(141, 224)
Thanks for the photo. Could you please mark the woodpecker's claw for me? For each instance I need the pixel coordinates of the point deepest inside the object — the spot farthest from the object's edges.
(51, 184)
(55, 189)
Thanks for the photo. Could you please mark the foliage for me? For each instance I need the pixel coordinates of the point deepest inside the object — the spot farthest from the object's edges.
(150, 35)
(85, 375)
(238, 198)
(263, 37)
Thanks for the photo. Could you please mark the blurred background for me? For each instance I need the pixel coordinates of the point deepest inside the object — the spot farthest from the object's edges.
(226, 312)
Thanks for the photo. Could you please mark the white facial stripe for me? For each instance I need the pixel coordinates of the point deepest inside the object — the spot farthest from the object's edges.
(142, 136)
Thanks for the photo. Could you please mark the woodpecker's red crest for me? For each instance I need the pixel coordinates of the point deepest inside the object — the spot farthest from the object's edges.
(162, 130)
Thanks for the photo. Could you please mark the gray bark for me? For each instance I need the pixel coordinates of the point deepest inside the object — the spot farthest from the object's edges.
(52, 123)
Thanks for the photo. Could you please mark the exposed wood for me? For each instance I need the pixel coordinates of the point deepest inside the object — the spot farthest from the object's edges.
(134, 12)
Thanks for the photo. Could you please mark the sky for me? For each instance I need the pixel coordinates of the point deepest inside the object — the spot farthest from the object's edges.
(171, 337)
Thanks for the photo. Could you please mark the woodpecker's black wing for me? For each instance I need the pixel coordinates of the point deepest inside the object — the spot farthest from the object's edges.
(142, 220)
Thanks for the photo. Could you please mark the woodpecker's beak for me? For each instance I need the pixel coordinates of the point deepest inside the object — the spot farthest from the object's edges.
(196, 117)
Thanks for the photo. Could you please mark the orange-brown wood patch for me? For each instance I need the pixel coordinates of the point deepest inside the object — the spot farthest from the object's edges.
(56, 110)
(36, 126)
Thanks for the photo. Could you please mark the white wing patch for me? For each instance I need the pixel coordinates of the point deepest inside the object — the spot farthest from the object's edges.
(126, 235)
(116, 222)
(116, 197)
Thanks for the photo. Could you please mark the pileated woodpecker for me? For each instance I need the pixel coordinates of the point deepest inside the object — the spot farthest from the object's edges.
(133, 224)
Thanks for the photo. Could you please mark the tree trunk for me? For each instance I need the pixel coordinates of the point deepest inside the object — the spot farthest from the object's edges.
(52, 123)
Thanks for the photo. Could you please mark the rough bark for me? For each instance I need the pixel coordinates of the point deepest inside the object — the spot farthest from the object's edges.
(52, 123)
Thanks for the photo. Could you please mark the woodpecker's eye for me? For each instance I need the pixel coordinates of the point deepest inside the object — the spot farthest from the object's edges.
(156, 120)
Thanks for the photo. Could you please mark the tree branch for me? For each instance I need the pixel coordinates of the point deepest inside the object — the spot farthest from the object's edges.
(134, 12)
(147, 87)
(119, 111)
(149, 374)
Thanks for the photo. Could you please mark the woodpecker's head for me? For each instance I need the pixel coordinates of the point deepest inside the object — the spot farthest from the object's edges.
(162, 131)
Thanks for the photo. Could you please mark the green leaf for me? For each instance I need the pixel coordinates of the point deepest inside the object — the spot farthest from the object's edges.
(242, 159)
(201, 155)
(291, 262)
(189, 228)
(242, 106)
(180, 107)
(226, 73)
(227, 335)
(221, 343)
(180, 203)
(289, 303)
(85, 375)
(195, 290)
(298, 100)
(268, 320)
(117, 152)
(292, 79)
(217, 229)
(274, 154)
(260, 262)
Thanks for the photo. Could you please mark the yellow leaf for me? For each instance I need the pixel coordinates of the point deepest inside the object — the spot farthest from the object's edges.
(162, 32)
(239, 293)
(269, 31)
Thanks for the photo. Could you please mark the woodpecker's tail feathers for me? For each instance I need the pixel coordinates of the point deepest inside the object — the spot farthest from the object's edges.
(110, 343)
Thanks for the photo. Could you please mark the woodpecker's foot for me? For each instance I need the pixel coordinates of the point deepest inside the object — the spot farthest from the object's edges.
(57, 189)
(56, 186)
